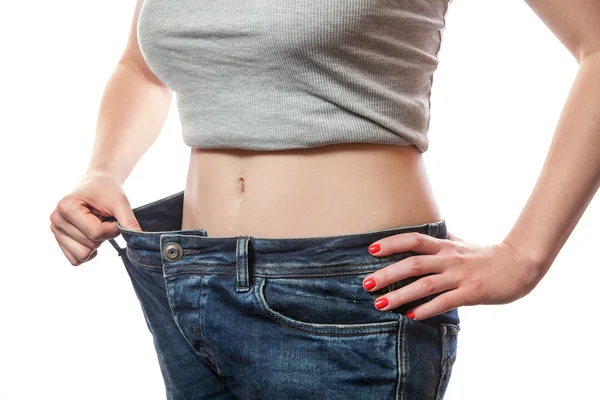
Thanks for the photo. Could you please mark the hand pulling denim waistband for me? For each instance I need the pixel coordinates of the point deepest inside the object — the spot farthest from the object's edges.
(161, 224)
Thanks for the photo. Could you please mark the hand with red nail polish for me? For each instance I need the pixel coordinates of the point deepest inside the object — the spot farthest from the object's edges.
(460, 273)
(369, 283)
(374, 248)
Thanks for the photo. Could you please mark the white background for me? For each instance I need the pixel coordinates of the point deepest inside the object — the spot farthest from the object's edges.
(78, 332)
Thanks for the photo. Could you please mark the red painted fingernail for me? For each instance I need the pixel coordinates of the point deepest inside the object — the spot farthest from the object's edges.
(374, 248)
(369, 283)
(410, 315)
(381, 303)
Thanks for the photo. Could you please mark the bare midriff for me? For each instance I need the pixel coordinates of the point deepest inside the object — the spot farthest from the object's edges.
(328, 190)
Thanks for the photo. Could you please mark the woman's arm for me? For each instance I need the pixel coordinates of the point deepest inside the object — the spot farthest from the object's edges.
(571, 173)
(463, 273)
(133, 110)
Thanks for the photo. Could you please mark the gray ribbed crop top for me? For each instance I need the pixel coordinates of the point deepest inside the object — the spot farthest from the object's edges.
(285, 74)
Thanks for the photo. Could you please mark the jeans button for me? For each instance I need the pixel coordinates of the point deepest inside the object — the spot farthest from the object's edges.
(172, 251)
(444, 329)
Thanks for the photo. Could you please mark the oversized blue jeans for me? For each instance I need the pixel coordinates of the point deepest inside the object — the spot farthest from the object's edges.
(247, 318)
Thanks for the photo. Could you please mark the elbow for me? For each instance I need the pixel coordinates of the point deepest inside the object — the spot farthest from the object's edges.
(585, 53)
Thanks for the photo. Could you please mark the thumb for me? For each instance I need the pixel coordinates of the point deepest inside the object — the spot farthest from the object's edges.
(124, 215)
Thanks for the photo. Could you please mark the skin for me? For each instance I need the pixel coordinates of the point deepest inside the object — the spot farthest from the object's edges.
(569, 178)
(311, 192)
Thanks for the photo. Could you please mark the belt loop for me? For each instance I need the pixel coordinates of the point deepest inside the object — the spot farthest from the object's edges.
(443, 230)
(119, 249)
(433, 229)
(241, 262)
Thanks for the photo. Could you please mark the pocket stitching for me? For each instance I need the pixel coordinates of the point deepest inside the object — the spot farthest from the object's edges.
(135, 261)
(447, 361)
(320, 329)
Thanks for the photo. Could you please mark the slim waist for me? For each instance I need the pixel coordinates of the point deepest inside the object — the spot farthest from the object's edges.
(266, 195)
(162, 244)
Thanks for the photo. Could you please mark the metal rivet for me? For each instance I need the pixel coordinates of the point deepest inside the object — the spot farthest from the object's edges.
(172, 251)
(444, 329)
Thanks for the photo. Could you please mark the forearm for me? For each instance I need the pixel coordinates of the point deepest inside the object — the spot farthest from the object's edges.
(569, 177)
(132, 113)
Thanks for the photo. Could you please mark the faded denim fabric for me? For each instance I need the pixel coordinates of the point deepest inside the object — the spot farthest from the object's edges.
(281, 318)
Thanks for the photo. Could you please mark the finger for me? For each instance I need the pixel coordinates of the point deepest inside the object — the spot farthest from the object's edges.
(438, 305)
(65, 227)
(125, 216)
(77, 213)
(418, 289)
(92, 255)
(409, 266)
(67, 253)
(78, 251)
(409, 241)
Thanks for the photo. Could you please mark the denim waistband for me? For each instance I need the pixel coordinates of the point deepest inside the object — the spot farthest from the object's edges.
(161, 222)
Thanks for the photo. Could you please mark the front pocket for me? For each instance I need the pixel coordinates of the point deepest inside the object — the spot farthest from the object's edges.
(334, 305)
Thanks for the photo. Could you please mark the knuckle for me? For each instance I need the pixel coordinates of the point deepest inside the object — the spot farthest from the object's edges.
(445, 303)
(66, 204)
(129, 220)
(81, 259)
(417, 238)
(74, 262)
(54, 219)
(53, 228)
(478, 289)
(70, 258)
(94, 236)
(82, 255)
(457, 258)
(385, 275)
(415, 264)
(427, 284)
(454, 277)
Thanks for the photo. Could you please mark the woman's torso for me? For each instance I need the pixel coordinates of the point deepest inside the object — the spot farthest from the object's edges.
(328, 190)
(310, 77)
